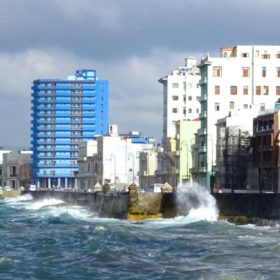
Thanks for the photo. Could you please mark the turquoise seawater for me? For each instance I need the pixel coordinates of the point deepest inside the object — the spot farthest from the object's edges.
(52, 240)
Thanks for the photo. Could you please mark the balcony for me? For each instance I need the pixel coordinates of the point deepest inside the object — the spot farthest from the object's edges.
(202, 131)
(203, 81)
(202, 149)
(202, 169)
(203, 98)
(203, 114)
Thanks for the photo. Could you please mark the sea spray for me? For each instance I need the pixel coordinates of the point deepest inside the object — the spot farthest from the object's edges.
(196, 202)
(25, 197)
(44, 203)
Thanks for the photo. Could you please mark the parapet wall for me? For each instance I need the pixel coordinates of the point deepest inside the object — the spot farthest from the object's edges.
(113, 205)
(253, 205)
(116, 204)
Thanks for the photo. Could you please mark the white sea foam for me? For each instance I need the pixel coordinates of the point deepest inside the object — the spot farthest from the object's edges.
(203, 213)
(7, 260)
(43, 203)
(196, 203)
(77, 212)
(25, 197)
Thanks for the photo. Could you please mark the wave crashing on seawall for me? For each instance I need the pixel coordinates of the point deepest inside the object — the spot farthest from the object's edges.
(195, 202)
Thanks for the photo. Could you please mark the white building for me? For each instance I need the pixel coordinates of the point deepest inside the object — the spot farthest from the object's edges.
(181, 97)
(241, 77)
(112, 158)
(118, 158)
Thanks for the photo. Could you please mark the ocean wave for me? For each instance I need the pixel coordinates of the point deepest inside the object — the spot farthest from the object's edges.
(44, 203)
(20, 198)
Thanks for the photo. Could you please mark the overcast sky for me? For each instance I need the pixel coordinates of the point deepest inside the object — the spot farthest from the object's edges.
(131, 43)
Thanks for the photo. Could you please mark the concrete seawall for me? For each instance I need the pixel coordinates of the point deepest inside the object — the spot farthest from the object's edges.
(113, 205)
(119, 205)
(116, 204)
(251, 205)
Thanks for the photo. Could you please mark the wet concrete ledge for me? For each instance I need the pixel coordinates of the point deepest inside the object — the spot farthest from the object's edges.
(115, 204)
(252, 207)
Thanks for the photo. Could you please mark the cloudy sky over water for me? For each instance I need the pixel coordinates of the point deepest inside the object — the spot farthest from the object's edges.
(132, 43)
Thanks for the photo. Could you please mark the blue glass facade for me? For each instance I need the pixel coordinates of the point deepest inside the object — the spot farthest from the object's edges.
(65, 113)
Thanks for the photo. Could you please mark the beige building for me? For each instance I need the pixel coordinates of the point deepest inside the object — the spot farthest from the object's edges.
(16, 169)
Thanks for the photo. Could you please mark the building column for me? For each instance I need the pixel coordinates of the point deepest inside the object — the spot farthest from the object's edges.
(59, 182)
(38, 184)
(75, 183)
(49, 183)
(66, 183)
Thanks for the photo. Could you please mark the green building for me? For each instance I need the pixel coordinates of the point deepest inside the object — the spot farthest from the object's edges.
(185, 131)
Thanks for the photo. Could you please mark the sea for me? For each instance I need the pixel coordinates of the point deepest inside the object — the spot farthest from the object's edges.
(50, 239)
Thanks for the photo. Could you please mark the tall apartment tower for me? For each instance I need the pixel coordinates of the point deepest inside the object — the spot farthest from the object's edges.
(65, 113)
(243, 77)
(180, 97)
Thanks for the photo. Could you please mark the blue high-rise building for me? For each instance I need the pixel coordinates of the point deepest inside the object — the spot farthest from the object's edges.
(65, 113)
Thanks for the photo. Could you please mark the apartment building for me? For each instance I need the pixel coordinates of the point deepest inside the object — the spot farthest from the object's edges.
(16, 169)
(266, 154)
(233, 170)
(241, 77)
(114, 159)
(64, 114)
(181, 94)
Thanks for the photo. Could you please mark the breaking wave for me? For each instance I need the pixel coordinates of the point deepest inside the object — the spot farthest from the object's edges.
(44, 203)
(195, 202)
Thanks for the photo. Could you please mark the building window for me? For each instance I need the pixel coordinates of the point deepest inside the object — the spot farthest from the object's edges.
(245, 90)
(189, 98)
(190, 110)
(175, 97)
(278, 72)
(277, 90)
(184, 111)
(265, 90)
(245, 72)
(175, 85)
(245, 106)
(217, 90)
(262, 106)
(231, 105)
(258, 90)
(233, 90)
(174, 110)
(217, 106)
(264, 72)
(244, 55)
(266, 56)
(217, 71)
(278, 55)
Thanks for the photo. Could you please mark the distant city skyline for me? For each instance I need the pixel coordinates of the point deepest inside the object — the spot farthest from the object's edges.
(130, 43)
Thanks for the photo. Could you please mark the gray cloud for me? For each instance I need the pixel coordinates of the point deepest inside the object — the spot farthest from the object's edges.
(130, 43)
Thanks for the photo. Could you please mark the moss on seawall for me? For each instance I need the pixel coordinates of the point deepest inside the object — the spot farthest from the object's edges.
(244, 220)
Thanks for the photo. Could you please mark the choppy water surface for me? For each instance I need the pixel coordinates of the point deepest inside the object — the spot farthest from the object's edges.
(52, 240)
